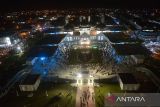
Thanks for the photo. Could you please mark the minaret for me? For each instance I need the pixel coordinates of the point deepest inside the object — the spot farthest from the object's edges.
(66, 20)
(89, 18)
(102, 19)
(80, 19)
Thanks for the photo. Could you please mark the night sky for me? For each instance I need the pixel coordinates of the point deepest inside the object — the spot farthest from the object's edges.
(11, 5)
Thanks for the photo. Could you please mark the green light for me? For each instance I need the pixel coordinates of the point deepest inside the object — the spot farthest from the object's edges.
(95, 47)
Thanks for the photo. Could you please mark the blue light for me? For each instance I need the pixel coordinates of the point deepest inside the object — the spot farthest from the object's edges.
(118, 59)
(42, 58)
(44, 73)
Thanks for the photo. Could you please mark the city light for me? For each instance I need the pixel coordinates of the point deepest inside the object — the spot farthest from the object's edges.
(85, 42)
(82, 56)
(90, 76)
(79, 75)
(94, 47)
(8, 41)
(18, 48)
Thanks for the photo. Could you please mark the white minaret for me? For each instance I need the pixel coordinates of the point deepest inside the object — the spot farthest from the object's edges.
(89, 18)
(66, 20)
(84, 18)
(102, 19)
(80, 18)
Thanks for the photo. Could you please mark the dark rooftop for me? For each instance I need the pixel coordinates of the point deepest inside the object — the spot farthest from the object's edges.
(51, 39)
(52, 30)
(6, 33)
(30, 79)
(116, 28)
(149, 25)
(42, 51)
(130, 49)
(127, 78)
(109, 21)
(120, 37)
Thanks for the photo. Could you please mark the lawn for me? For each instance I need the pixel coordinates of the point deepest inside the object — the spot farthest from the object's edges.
(59, 95)
(11, 64)
(102, 90)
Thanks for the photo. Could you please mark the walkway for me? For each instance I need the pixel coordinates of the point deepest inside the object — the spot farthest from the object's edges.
(85, 96)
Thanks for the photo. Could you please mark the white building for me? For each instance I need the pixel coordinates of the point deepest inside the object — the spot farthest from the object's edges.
(128, 82)
(84, 78)
(5, 42)
(30, 83)
(138, 59)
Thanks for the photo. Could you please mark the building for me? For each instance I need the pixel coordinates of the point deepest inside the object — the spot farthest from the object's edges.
(11, 41)
(146, 30)
(147, 35)
(84, 77)
(84, 40)
(30, 83)
(130, 53)
(8, 39)
(5, 42)
(128, 82)
(121, 38)
(138, 59)
(124, 49)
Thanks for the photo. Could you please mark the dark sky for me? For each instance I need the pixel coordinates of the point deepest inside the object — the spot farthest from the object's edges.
(12, 5)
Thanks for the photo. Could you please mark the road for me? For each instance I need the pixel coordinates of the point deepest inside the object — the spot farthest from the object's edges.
(85, 96)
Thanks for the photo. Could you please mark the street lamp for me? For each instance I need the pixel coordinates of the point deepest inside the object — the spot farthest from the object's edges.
(19, 49)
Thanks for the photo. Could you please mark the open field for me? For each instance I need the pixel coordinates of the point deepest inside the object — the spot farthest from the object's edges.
(103, 90)
(59, 95)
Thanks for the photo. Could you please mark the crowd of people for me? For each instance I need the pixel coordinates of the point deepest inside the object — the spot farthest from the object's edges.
(4, 51)
(49, 64)
(85, 98)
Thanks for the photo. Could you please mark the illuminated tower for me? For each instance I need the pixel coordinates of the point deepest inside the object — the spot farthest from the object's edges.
(102, 19)
(66, 20)
(80, 19)
(89, 18)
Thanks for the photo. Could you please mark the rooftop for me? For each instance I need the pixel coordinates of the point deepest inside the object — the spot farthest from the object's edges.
(130, 49)
(52, 30)
(116, 28)
(51, 39)
(120, 37)
(30, 79)
(127, 78)
(6, 33)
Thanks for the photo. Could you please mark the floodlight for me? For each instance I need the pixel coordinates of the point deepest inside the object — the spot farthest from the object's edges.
(42, 58)
(79, 75)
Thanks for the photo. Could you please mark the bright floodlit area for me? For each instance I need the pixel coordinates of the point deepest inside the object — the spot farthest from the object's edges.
(76, 58)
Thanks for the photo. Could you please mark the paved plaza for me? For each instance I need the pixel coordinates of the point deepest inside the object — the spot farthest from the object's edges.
(85, 96)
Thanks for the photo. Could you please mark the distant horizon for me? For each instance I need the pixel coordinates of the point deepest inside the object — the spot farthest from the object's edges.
(18, 5)
(50, 9)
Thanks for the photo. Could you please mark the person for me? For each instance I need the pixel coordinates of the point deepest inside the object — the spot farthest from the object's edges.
(92, 98)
